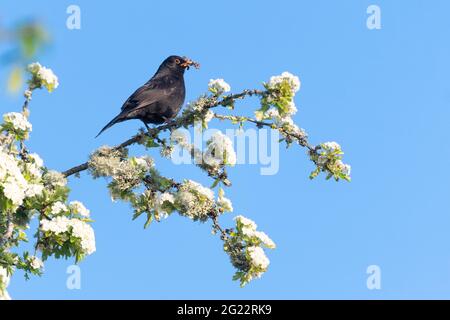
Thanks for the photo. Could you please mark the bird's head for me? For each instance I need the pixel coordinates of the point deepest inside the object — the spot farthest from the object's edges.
(179, 64)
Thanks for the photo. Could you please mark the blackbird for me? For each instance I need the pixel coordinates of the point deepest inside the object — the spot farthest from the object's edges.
(161, 98)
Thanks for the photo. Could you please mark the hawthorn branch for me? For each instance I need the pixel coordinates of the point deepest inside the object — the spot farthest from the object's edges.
(213, 215)
(175, 124)
(183, 121)
(302, 140)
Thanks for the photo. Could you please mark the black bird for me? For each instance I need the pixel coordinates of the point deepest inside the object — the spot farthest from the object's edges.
(161, 98)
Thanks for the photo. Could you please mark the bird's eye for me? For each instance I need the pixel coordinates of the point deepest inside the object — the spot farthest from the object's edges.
(177, 61)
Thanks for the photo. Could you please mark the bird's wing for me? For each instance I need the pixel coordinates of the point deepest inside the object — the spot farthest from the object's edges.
(151, 92)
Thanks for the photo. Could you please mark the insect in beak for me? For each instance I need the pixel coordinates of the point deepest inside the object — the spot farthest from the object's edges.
(188, 62)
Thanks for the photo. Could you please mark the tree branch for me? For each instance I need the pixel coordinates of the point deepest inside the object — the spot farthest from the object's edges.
(175, 124)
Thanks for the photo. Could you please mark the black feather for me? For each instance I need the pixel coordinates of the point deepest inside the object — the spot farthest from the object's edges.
(158, 100)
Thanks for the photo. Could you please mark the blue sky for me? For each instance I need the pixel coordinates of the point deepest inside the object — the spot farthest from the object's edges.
(382, 94)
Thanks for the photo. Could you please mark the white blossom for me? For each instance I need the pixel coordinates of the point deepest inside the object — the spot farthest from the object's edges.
(198, 188)
(4, 277)
(34, 190)
(208, 116)
(14, 189)
(292, 108)
(265, 239)
(59, 207)
(78, 207)
(85, 232)
(344, 168)
(36, 263)
(332, 146)
(17, 120)
(224, 203)
(57, 225)
(37, 159)
(194, 200)
(4, 282)
(8, 165)
(44, 76)
(76, 227)
(179, 136)
(144, 162)
(33, 170)
(293, 81)
(161, 199)
(272, 113)
(55, 178)
(218, 86)
(4, 295)
(347, 169)
(246, 222)
(105, 161)
(257, 257)
(219, 151)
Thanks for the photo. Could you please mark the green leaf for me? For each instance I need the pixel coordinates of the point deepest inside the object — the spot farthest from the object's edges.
(216, 182)
(151, 143)
(137, 215)
(32, 37)
(149, 220)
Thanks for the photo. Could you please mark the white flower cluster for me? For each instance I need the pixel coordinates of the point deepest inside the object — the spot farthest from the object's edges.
(218, 86)
(15, 187)
(346, 169)
(126, 173)
(17, 121)
(293, 81)
(328, 159)
(248, 229)
(194, 200)
(36, 263)
(66, 231)
(105, 161)
(75, 227)
(245, 249)
(220, 151)
(54, 179)
(34, 166)
(282, 90)
(4, 282)
(161, 203)
(258, 258)
(144, 162)
(246, 222)
(43, 77)
(78, 207)
(333, 148)
(199, 110)
(179, 137)
(286, 122)
(224, 203)
(209, 115)
(59, 207)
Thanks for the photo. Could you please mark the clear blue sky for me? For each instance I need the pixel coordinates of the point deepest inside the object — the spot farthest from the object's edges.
(383, 94)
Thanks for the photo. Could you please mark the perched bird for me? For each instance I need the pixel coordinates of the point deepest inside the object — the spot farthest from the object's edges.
(161, 98)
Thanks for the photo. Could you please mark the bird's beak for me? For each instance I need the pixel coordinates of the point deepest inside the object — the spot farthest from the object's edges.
(188, 62)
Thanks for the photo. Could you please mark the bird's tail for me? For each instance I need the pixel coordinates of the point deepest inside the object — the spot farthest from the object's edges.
(117, 119)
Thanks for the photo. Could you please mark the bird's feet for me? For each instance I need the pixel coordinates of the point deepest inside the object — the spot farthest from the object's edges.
(154, 135)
